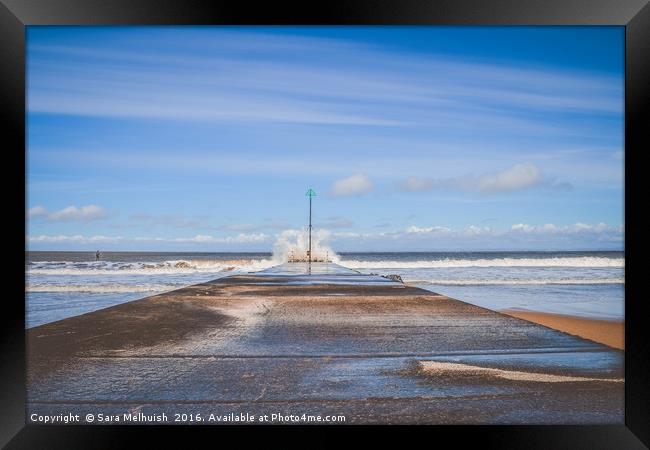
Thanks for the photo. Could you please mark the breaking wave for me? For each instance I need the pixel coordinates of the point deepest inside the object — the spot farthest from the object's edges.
(294, 244)
(148, 268)
(585, 261)
(99, 288)
(518, 282)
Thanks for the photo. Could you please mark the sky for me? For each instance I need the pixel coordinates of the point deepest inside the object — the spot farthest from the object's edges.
(418, 138)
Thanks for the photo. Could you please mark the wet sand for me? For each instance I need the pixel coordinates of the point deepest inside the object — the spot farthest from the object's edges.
(330, 342)
(611, 333)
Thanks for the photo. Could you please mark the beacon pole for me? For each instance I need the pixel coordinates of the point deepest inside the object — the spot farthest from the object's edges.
(310, 194)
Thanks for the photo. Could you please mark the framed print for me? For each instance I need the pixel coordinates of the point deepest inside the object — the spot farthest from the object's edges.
(373, 214)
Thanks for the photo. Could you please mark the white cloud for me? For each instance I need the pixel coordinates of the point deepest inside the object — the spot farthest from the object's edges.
(246, 238)
(418, 230)
(434, 231)
(355, 185)
(597, 228)
(576, 228)
(84, 213)
(78, 238)
(520, 176)
(36, 211)
(416, 184)
(525, 228)
(474, 230)
(600, 231)
(517, 177)
(202, 238)
(520, 235)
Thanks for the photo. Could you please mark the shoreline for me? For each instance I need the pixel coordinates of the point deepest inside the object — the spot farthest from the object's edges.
(607, 332)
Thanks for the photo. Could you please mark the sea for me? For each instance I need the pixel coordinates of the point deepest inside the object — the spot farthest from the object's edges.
(586, 284)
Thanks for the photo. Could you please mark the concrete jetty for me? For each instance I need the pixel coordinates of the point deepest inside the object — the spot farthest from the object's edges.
(330, 342)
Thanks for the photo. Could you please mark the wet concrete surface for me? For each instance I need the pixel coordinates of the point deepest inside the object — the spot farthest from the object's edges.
(332, 341)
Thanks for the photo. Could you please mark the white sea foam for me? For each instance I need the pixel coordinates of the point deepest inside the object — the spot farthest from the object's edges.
(148, 268)
(532, 282)
(584, 261)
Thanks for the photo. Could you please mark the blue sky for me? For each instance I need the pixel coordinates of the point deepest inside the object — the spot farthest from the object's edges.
(414, 138)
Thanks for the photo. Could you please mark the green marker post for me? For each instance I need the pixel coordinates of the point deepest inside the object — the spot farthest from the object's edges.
(310, 193)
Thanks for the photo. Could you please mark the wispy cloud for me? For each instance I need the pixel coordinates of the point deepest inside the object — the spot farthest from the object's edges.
(416, 184)
(335, 222)
(266, 225)
(165, 220)
(68, 214)
(164, 82)
(577, 228)
(199, 238)
(241, 238)
(76, 239)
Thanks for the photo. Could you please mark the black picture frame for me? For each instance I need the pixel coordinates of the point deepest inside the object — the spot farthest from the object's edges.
(15, 15)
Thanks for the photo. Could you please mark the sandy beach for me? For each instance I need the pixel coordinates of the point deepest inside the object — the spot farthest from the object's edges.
(608, 332)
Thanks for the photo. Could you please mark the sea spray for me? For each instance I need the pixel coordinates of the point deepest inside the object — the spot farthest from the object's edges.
(295, 243)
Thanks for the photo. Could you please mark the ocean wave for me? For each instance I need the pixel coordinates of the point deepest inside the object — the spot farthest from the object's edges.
(147, 268)
(585, 261)
(101, 288)
(498, 282)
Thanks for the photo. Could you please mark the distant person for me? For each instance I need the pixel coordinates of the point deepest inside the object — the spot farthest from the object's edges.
(97, 255)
